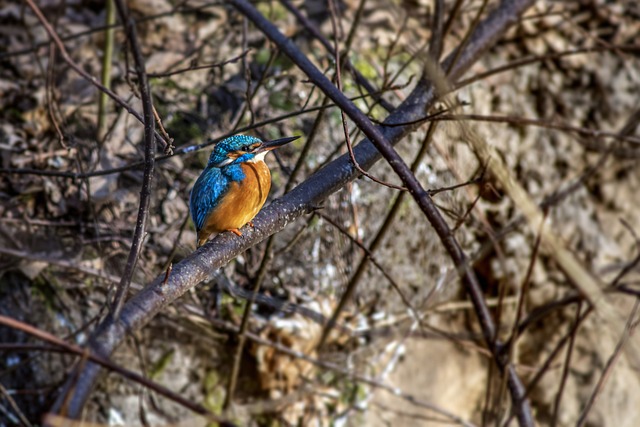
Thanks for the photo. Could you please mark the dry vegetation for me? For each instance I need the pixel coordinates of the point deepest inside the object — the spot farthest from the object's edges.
(561, 117)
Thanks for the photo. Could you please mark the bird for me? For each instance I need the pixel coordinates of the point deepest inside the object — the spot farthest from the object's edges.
(233, 186)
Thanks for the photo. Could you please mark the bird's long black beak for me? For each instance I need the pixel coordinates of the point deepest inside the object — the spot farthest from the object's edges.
(272, 145)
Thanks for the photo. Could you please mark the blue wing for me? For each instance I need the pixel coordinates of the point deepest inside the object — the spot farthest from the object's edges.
(209, 189)
(206, 194)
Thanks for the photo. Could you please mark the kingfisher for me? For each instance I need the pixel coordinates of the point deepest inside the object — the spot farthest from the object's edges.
(233, 186)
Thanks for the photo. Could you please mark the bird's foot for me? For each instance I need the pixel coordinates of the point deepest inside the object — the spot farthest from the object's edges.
(236, 232)
(314, 208)
(251, 224)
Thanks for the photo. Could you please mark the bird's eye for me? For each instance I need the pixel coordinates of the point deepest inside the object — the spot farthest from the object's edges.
(246, 148)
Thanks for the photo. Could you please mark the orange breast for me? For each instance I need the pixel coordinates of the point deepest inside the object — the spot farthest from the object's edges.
(242, 202)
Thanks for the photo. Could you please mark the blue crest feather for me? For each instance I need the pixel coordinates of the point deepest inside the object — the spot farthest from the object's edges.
(228, 145)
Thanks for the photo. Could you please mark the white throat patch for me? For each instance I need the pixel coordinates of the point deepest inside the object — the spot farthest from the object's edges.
(259, 157)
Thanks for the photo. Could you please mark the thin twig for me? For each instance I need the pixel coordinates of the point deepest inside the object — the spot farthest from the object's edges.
(179, 8)
(609, 365)
(315, 32)
(181, 151)
(244, 324)
(377, 240)
(67, 58)
(437, 31)
(565, 371)
(377, 264)
(556, 350)
(523, 121)
(149, 161)
(85, 353)
(345, 127)
(540, 58)
(199, 67)
(6, 395)
(49, 91)
(107, 58)
(523, 291)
